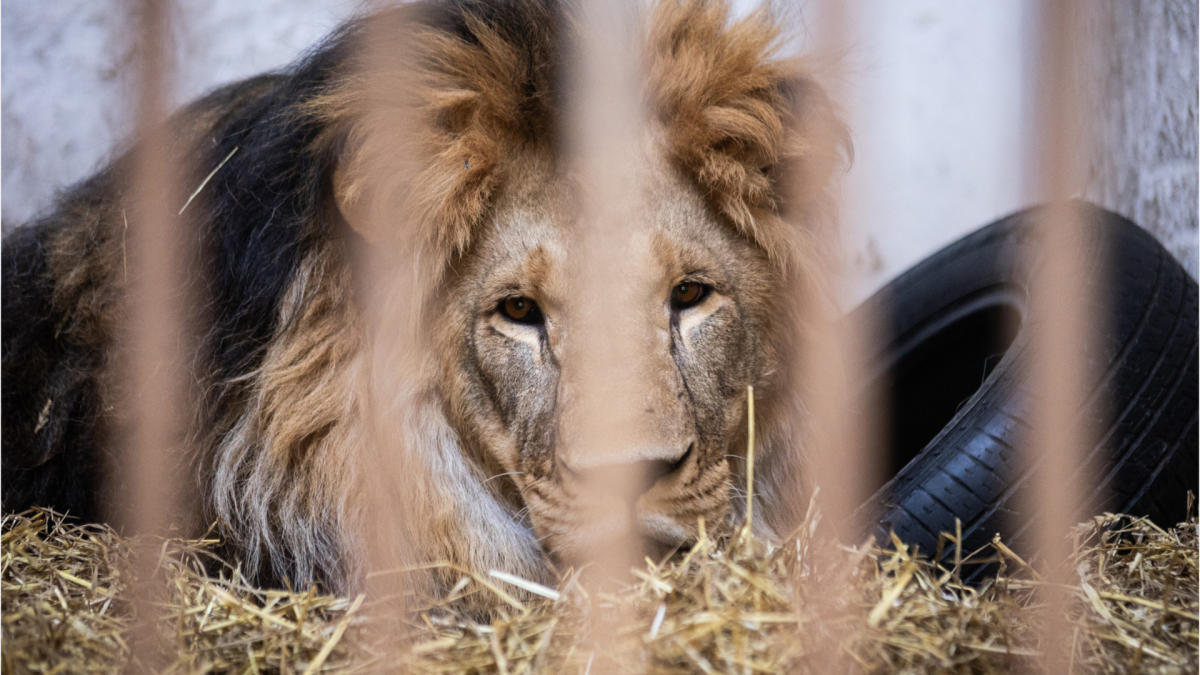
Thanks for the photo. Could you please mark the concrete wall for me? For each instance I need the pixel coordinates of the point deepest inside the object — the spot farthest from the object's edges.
(1145, 127)
(937, 99)
(66, 68)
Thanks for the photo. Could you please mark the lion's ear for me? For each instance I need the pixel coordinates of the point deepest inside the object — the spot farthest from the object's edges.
(423, 127)
(350, 204)
(373, 168)
(816, 143)
(355, 173)
(755, 132)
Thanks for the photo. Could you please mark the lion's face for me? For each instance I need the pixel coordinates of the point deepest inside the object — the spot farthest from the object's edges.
(470, 194)
(691, 318)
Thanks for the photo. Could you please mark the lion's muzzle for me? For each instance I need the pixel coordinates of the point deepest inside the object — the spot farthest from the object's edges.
(633, 496)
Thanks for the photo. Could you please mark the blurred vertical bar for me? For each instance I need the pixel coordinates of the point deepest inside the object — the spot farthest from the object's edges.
(838, 437)
(1057, 455)
(605, 145)
(396, 282)
(153, 359)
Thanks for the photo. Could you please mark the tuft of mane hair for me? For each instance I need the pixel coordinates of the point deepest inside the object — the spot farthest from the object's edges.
(747, 126)
(308, 167)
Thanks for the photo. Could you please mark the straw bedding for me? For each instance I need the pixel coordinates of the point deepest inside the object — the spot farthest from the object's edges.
(729, 605)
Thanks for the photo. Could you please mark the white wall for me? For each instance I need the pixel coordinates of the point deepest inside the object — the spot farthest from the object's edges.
(66, 67)
(939, 109)
(936, 98)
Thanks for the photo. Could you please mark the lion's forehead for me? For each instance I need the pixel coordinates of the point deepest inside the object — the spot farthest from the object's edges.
(533, 242)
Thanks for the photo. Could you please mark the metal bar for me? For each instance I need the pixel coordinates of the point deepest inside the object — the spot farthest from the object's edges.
(1060, 299)
(154, 350)
(838, 433)
(606, 148)
(396, 278)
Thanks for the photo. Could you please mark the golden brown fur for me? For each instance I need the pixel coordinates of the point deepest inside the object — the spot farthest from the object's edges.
(739, 149)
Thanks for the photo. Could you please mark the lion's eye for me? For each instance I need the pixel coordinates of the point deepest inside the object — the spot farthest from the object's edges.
(688, 294)
(521, 310)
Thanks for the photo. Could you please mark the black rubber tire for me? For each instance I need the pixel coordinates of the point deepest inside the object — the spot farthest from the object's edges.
(956, 330)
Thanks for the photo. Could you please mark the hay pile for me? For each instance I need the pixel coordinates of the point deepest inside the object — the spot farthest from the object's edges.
(725, 606)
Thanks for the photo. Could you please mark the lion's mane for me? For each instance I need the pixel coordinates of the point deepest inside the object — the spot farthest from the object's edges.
(278, 434)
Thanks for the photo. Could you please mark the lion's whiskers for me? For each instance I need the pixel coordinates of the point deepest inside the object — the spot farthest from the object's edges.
(501, 475)
(734, 489)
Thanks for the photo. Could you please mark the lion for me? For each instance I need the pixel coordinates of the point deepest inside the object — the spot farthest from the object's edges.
(742, 143)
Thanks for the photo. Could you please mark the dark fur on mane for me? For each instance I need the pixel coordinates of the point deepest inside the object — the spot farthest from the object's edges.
(266, 209)
(62, 285)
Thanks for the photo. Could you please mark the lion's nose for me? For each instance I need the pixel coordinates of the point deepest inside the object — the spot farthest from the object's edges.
(630, 472)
